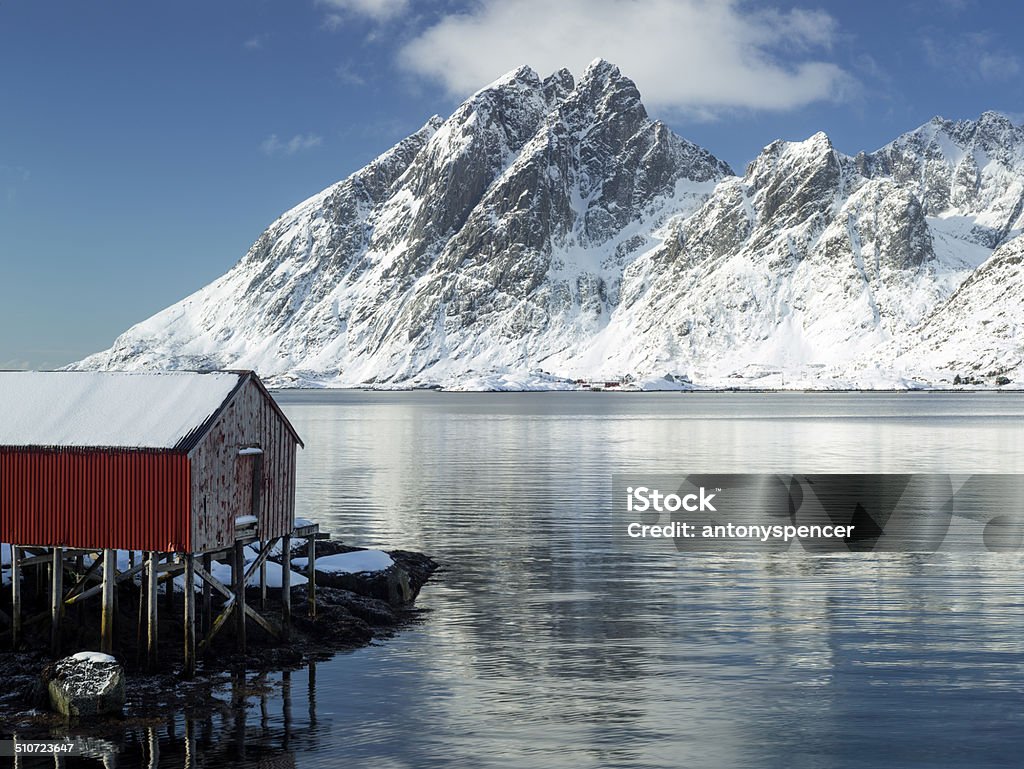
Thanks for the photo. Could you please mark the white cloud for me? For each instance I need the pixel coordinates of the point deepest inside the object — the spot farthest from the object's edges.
(380, 10)
(256, 42)
(346, 72)
(700, 56)
(272, 145)
(972, 56)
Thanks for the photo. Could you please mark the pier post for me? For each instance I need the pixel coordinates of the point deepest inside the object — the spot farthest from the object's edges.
(190, 616)
(238, 578)
(15, 596)
(311, 584)
(263, 583)
(56, 599)
(286, 587)
(151, 608)
(107, 608)
(79, 569)
(207, 594)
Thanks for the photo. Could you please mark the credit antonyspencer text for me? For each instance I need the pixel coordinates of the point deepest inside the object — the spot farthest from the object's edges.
(822, 513)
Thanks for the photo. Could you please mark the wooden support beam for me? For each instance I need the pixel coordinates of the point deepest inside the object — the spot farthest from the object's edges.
(263, 580)
(250, 612)
(212, 581)
(107, 620)
(190, 616)
(168, 585)
(261, 559)
(56, 598)
(15, 596)
(35, 560)
(238, 577)
(286, 587)
(89, 575)
(207, 604)
(311, 583)
(152, 630)
(225, 613)
(120, 576)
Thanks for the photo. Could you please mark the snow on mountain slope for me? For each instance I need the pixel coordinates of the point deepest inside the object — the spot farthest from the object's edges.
(551, 224)
(979, 332)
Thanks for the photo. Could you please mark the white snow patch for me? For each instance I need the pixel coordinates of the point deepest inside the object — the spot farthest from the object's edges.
(356, 562)
(99, 657)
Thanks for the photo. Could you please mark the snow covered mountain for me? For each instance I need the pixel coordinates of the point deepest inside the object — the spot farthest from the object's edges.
(550, 224)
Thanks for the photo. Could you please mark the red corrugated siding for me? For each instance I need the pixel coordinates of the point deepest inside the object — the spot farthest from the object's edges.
(126, 500)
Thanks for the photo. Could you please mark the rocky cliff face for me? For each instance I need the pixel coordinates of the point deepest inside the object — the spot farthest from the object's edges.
(551, 223)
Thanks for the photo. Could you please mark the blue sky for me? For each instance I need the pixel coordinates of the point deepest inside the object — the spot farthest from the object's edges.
(144, 146)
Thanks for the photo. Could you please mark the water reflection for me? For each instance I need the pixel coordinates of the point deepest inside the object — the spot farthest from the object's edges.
(249, 722)
(548, 642)
(551, 643)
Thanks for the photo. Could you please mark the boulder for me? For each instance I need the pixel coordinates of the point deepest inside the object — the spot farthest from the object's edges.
(87, 684)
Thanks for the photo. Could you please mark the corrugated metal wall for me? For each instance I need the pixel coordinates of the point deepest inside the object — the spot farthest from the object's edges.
(127, 500)
(248, 420)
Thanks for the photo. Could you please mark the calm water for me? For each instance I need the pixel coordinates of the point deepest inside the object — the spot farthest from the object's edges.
(550, 643)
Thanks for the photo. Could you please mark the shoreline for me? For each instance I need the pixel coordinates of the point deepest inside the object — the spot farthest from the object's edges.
(353, 611)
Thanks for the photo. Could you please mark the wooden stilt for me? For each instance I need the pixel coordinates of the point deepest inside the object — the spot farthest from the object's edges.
(190, 615)
(56, 599)
(207, 595)
(286, 587)
(152, 568)
(140, 626)
(263, 583)
(169, 593)
(311, 583)
(79, 570)
(107, 620)
(15, 596)
(238, 577)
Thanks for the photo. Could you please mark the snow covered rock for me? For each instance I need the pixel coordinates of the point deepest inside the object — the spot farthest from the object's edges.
(371, 573)
(87, 684)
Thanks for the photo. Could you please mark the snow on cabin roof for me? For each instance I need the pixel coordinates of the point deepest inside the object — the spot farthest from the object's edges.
(108, 409)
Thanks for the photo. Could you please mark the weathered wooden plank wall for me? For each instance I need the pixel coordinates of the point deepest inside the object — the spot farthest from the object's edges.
(249, 420)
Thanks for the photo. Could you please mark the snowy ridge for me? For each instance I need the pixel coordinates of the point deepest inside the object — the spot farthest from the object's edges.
(549, 231)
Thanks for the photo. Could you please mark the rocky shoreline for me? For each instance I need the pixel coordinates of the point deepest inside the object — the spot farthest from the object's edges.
(353, 610)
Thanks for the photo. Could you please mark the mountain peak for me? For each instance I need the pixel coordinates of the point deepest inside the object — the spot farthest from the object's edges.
(553, 223)
(522, 75)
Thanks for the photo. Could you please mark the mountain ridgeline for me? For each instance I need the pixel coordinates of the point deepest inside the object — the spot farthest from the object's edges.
(551, 225)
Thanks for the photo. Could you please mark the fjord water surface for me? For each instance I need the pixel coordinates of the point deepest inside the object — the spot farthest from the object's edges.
(547, 641)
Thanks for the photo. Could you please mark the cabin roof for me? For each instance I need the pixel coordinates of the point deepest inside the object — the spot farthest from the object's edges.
(119, 410)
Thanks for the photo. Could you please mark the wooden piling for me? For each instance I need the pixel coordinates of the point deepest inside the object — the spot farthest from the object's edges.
(311, 583)
(286, 587)
(107, 619)
(152, 567)
(238, 578)
(263, 583)
(207, 594)
(56, 599)
(15, 596)
(190, 616)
